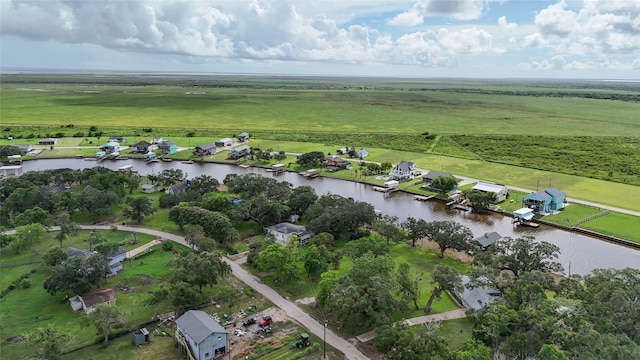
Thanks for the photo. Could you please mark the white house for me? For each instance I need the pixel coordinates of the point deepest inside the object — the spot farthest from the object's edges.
(283, 231)
(405, 170)
(489, 187)
(201, 335)
(88, 301)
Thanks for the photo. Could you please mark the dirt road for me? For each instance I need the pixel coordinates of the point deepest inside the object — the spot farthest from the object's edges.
(290, 308)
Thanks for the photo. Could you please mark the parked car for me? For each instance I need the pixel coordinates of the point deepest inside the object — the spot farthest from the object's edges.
(265, 321)
(249, 321)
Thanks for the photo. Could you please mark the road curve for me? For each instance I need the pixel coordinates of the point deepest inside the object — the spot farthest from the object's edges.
(290, 308)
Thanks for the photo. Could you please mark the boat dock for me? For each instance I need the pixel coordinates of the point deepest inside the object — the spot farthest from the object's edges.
(385, 190)
(528, 223)
(423, 198)
(462, 207)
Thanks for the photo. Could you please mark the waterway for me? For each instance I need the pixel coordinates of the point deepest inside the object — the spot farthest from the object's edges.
(580, 254)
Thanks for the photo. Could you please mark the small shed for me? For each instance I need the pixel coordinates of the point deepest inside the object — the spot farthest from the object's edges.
(362, 153)
(243, 136)
(224, 142)
(149, 155)
(140, 337)
(25, 148)
(148, 188)
(117, 138)
(48, 141)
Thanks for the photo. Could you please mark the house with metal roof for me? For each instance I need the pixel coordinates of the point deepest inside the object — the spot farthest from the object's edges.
(545, 201)
(141, 147)
(487, 239)
(200, 335)
(498, 189)
(243, 136)
(432, 174)
(404, 170)
(239, 152)
(224, 142)
(283, 231)
(476, 298)
(205, 149)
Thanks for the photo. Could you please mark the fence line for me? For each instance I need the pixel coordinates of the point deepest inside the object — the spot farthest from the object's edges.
(600, 214)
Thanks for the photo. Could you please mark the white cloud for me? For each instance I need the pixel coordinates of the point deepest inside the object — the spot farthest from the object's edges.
(534, 40)
(456, 9)
(506, 26)
(555, 20)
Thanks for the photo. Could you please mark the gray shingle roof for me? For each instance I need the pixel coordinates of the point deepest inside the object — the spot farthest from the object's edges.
(432, 174)
(476, 298)
(206, 146)
(198, 325)
(487, 239)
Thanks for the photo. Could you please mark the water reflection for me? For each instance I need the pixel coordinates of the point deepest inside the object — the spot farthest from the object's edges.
(580, 254)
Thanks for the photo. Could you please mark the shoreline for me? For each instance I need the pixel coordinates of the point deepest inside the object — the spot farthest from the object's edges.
(590, 233)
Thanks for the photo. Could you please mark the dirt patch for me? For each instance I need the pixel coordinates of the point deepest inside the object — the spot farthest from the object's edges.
(306, 301)
(281, 327)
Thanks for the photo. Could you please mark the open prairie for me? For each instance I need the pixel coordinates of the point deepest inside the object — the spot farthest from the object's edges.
(341, 106)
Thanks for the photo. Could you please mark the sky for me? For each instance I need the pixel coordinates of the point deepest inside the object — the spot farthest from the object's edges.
(593, 39)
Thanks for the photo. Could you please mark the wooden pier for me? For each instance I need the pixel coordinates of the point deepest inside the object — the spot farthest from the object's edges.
(462, 207)
(423, 198)
(385, 190)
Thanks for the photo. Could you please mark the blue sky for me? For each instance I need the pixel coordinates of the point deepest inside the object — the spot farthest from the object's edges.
(416, 38)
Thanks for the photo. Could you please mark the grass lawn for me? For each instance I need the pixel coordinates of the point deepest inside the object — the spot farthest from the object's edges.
(25, 309)
(616, 224)
(571, 214)
(456, 332)
(159, 348)
(58, 153)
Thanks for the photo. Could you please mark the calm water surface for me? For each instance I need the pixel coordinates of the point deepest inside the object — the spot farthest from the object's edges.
(580, 254)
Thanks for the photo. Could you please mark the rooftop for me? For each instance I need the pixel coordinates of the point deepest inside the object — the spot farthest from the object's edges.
(98, 296)
(199, 325)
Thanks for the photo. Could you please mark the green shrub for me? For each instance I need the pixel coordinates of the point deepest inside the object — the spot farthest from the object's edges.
(25, 283)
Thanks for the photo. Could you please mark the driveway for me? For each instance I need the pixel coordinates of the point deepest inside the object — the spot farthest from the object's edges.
(290, 308)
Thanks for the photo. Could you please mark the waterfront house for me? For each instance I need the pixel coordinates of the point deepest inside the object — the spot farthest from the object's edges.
(141, 147)
(283, 231)
(488, 187)
(205, 149)
(110, 147)
(243, 136)
(545, 201)
(405, 170)
(167, 147)
(335, 163)
(487, 239)
(202, 336)
(432, 174)
(239, 152)
(476, 298)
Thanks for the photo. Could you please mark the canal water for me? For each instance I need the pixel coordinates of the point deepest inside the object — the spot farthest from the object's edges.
(580, 254)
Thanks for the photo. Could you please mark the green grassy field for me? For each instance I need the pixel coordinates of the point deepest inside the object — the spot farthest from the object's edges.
(389, 109)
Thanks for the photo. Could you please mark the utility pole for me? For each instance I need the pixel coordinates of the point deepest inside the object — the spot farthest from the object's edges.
(324, 340)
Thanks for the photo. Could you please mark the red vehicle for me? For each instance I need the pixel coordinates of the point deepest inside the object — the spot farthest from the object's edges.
(265, 321)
